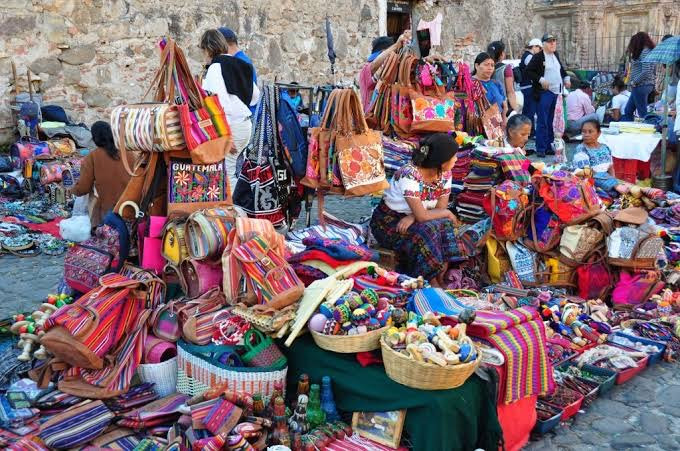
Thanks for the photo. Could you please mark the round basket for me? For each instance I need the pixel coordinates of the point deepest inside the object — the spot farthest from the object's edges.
(163, 374)
(423, 375)
(347, 344)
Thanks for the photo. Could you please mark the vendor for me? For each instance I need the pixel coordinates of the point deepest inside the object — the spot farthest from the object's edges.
(232, 80)
(382, 47)
(413, 218)
(620, 99)
(598, 157)
(517, 131)
(484, 70)
(102, 172)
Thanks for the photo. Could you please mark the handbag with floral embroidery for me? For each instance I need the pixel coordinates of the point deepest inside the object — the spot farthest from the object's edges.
(434, 109)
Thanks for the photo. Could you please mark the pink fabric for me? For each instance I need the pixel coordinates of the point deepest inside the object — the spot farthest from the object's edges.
(435, 27)
(578, 105)
(366, 85)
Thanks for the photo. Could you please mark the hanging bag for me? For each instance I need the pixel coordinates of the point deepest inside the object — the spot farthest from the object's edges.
(378, 111)
(194, 187)
(402, 111)
(257, 190)
(359, 151)
(174, 247)
(433, 111)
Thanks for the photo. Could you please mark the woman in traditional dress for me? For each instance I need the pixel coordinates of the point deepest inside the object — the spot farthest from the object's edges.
(413, 219)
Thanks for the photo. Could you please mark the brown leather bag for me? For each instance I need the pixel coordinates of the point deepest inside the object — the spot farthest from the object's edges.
(197, 316)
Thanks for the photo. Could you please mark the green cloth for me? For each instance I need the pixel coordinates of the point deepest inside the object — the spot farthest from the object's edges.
(462, 418)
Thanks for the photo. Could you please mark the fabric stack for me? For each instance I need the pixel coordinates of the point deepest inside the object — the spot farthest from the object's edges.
(396, 153)
(460, 170)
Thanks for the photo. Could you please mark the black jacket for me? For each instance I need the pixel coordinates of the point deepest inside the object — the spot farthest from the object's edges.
(536, 69)
(523, 69)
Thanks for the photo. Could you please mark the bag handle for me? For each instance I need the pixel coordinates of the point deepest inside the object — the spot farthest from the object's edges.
(258, 338)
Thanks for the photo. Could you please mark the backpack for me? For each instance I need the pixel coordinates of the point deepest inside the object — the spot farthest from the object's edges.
(104, 252)
(507, 206)
(294, 141)
(517, 74)
(573, 200)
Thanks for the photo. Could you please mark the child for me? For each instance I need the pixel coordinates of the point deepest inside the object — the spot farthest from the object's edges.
(413, 219)
(598, 157)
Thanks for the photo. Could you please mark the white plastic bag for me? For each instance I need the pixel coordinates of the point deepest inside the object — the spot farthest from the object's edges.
(76, 228)
(80, 205)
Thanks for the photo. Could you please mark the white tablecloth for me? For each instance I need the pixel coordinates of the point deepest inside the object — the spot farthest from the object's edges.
(631, 146)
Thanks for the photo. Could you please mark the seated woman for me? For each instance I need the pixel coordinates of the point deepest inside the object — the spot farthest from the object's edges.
(598, 157)
(102, 170)
(413, 219)
(517, 131)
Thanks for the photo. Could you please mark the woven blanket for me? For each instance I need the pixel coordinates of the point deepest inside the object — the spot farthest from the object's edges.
(520, 336)
(515, 167)
(341, 249)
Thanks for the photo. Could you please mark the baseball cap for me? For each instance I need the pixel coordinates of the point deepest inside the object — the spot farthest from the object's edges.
(534, 42)
(228, 34)
(549, 37)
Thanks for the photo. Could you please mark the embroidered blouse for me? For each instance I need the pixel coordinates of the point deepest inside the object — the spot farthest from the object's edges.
(407, 182)
(598, 158)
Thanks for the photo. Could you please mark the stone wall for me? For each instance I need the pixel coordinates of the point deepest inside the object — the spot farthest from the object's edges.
(94, 54)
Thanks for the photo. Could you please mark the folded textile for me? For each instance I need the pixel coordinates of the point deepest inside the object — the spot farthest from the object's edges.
(315, 254)
(335, 228)
(340, 249)
(489, 323)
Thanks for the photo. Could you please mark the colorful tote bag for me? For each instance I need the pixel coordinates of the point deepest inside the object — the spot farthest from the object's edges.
(194, 187)
(571, 199)
(507, 206)
(359, 151)
(76, 426)
(433, 112)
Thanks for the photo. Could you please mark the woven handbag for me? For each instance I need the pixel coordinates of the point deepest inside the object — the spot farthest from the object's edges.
(198, 317)
(174, 248)
(76, 426)
(199, 369)
(199, 277)
(269, 275)
(207, 231)
(261, 350)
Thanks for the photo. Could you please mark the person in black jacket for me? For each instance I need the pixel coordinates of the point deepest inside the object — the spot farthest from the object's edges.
(529, 107)
(548, 78)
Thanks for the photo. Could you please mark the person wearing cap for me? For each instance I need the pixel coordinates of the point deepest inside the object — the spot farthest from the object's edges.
(293, 97)
(579, 107)
(381, 48)
(548, 78)
(413, 218)
(234, 50)
(529, 107)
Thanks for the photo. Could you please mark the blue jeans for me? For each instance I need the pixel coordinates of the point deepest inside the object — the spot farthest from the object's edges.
(544, 124)
(637, 101)
(529, 107)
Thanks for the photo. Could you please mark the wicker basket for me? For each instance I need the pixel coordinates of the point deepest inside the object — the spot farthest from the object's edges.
(423, 375)
(163, 374)
(198, 369)
(348, 344)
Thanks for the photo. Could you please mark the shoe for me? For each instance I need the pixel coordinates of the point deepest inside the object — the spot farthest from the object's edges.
(550, 152)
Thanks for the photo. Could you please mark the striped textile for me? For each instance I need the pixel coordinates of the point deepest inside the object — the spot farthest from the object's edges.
(162, 411)
(435, 300)
(520, 336)
(257, 260)
(200, 411)
(223, 417)
(76, 426)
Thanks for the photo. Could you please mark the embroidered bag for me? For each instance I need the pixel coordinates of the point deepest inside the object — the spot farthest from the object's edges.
(573, 200)
(432, 111)
(257, 190)
(194, 187)
(578, 242)
(523, 261)
(271, 278)
(76, 426)
(402, 111)
(633, 248)
(104, 252)
(545, 232)
(359, 150)
(507, 206)
(594, 278)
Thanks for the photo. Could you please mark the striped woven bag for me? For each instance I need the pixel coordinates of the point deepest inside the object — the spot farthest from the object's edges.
(76, 426)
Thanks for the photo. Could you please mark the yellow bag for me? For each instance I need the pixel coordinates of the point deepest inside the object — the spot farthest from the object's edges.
(174, 248)
(498, 262)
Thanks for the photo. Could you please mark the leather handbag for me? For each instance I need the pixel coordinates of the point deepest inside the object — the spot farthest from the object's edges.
(359, 151)
(379, 109)
(198, 316)
(207, 231)
(200, 277)
(257, 190)
(272, 279)
(402, 111)
(194, 187)
(174, 247)
(82, 333)
(76, 426)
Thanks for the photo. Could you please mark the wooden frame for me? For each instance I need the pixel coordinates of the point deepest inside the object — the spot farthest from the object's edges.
(363, 424)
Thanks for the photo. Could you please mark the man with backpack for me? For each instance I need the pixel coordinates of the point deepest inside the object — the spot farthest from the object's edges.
(529, 108)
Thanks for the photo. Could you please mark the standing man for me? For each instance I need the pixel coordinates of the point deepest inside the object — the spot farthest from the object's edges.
(529, 108)
(548, 78)
(236, 52)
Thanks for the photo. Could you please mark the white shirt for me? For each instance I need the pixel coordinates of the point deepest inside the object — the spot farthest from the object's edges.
(620, 100)
(553, 73)
(234, 108)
